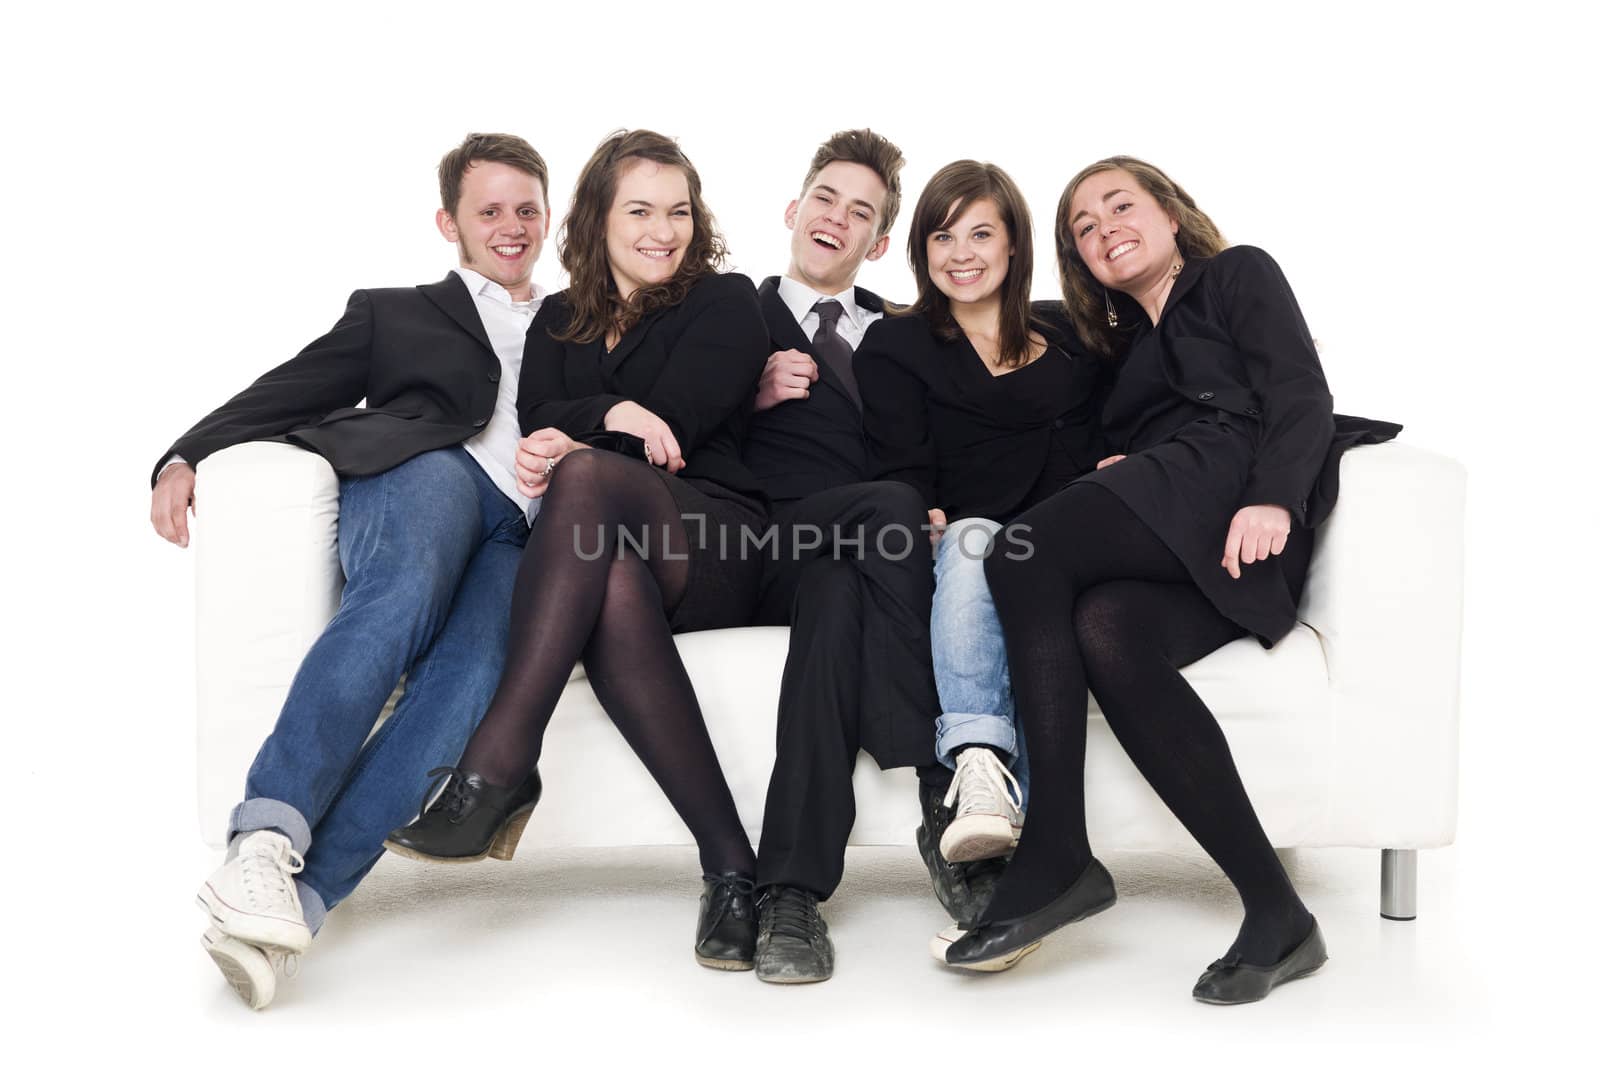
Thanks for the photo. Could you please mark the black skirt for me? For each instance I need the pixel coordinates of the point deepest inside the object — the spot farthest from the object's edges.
(724, 582)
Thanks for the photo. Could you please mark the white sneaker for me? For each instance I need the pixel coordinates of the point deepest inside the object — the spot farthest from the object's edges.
(988, 804)
(952, 933)
(252, 971)
(252, 897)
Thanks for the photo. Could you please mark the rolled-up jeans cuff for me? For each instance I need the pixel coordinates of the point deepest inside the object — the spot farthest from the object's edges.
(311, 905)
(955, 731)
(255, 814)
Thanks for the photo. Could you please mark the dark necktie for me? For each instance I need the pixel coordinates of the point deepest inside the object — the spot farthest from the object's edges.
(832, 348)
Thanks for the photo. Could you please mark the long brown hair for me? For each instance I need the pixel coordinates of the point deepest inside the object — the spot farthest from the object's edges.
(1086, 297)
(951, 190)
(591, 292)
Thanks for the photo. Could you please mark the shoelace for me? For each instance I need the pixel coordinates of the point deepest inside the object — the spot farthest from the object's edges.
(978, 773)
(457, 796)
(791, 913)
(267, 869)
(726, 889)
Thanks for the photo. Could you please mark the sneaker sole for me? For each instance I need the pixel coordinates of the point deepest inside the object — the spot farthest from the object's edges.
(259, 930)
(975, 838)
(254, 993)
(795, 980)
(725, 964)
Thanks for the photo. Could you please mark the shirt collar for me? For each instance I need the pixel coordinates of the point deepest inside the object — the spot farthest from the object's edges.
(479, 284)
(800, 298)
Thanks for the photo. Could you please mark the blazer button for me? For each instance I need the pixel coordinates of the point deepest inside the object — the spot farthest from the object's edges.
(481, 422)
(494, 376)
(1252, 411)
(1203, 396)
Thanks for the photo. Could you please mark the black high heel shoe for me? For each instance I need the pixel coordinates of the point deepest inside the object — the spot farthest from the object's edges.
(471, 819)
(1228, 981)
(725, 935)
(999, 945)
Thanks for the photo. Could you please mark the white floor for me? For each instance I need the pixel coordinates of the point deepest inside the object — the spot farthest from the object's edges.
(584, 957)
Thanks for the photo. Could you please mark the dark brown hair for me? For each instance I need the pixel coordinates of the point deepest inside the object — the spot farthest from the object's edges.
(947, 195)
(863, 146)
(1086, 297)
(592, 293)
(501, 148)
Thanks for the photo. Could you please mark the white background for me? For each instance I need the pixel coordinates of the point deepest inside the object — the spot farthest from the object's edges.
(191, 193)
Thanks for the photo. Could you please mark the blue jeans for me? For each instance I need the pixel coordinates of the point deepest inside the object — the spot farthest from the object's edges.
(429, 551)
(969, 653)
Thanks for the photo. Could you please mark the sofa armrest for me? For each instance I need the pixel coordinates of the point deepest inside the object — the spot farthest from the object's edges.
(267, 580)
(1384, 596)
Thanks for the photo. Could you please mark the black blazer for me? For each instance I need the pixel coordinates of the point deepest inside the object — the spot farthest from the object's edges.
(1233, 338)
(695, 365)
(803, 446)
(420, 358)
(972, 443)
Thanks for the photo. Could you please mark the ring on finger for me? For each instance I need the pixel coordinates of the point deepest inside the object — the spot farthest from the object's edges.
(549, 468)
(649, 456)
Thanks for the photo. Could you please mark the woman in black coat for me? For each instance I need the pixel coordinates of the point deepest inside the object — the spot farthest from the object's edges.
(1197, 532)
(635, 386)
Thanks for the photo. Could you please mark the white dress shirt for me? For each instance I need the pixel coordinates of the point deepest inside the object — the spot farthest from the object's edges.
(506, 321)
(800, 298)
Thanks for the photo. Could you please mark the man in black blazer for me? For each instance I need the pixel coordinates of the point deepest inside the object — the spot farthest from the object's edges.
(851, 573)
(431, 527)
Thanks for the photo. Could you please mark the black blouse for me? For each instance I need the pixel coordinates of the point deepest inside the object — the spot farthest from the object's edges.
(972, 443)
(695, 365)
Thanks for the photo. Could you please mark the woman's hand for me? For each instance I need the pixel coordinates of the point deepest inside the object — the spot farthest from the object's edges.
(1108, 460)
(537, 456)
(936, 525)
(1257, 532)
(629, 417)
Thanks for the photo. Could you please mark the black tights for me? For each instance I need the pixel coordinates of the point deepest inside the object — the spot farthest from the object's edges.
(579, 595)
(1103, 604)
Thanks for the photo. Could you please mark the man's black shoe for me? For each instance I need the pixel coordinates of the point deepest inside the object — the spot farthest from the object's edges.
(792, 944)
(963, 888)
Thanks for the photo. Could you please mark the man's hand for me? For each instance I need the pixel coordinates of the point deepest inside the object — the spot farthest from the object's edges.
(788, 375)
(1257, 532)
(170, 503)
(629, 417)
(537, 454)
(1108, 460)
(936, 525)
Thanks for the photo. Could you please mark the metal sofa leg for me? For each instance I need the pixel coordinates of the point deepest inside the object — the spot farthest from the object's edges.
(1398, 885)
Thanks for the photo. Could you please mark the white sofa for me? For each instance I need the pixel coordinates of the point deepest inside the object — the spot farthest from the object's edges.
(1345, 733)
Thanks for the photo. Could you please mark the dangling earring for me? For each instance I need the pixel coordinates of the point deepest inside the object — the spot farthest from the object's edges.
(1111, 311)
(1177, 267)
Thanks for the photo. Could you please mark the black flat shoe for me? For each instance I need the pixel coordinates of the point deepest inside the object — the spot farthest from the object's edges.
(997, 945)
(471, 819)
(725, 935)
(1228, 981)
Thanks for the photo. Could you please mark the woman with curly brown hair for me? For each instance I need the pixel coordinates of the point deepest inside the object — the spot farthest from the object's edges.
(1197, 532)
(633, 393)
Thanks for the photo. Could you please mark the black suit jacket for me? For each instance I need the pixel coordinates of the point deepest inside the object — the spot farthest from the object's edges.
(695, 365)
(420, 358)
(972, 443)
(1232, 337)
(803, 446)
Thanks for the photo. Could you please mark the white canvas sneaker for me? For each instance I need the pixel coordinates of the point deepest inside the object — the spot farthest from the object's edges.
(988, 804)
(252, 971)
(252, 897)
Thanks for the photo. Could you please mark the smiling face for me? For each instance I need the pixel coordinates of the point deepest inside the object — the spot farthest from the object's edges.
(968, 260)
(649, 225)
(835, 225)
(1121, 232)
(500, 224)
